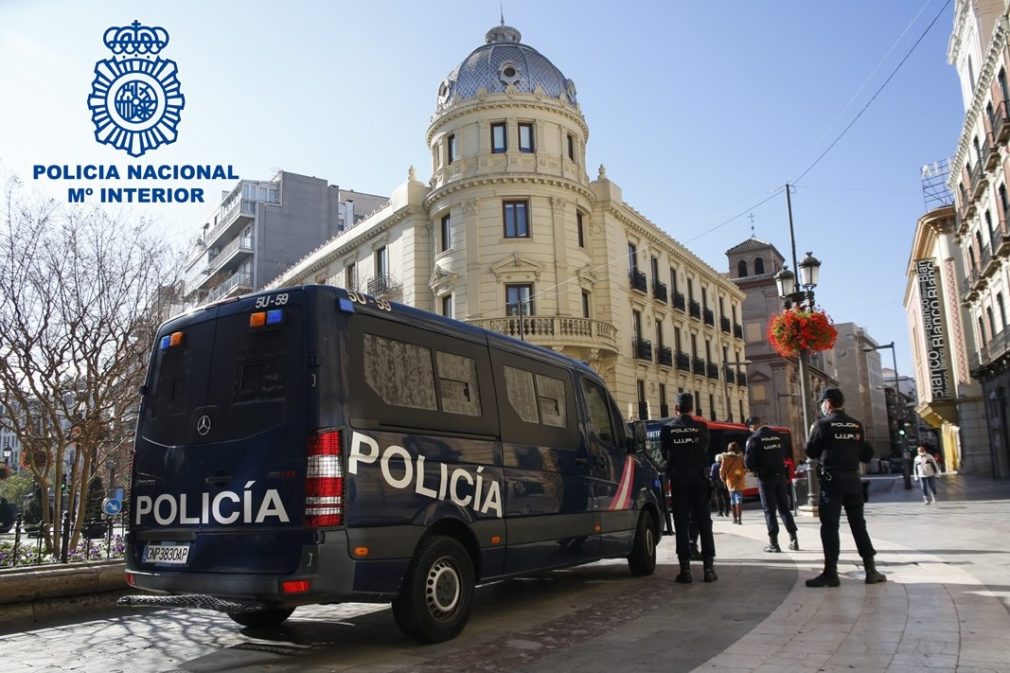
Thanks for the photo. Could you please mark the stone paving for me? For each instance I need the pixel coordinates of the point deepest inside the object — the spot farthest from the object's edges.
(945, 607)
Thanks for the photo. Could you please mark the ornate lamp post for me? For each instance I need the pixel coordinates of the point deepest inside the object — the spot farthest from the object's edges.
(801, 295)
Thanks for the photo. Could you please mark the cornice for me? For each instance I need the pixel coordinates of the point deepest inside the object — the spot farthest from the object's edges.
(928, 230)
(511, 178)
(979, 96)
(960, 19)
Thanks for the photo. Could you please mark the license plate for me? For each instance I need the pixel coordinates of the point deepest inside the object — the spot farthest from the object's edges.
(167, 554)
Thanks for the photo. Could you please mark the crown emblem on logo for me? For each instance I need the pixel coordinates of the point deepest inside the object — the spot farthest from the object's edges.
(135, 97)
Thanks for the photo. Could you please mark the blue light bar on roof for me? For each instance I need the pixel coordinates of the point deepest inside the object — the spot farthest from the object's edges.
(275, 316)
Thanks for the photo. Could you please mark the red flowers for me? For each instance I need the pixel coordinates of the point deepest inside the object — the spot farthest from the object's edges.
(794, 330)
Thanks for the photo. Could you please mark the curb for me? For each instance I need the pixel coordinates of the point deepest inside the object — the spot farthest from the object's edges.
(30, 595)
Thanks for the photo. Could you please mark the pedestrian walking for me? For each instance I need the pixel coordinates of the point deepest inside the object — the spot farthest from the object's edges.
(925, 471)
(720, 496)
(734, 475)
(766, 457)
(684, 443)
(840, 442)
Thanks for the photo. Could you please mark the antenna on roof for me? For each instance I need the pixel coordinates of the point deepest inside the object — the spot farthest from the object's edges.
(501, 6)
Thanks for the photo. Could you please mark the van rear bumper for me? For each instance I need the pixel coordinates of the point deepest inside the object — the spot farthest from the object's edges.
(326, 565)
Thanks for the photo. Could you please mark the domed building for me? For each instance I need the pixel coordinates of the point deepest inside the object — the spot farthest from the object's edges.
(511, 234)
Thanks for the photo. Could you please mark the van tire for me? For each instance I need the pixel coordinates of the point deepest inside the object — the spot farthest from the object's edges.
(261, 619)
(437, 592)
(642, 560)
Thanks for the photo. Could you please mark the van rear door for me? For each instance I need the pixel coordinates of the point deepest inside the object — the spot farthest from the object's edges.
(220, 449)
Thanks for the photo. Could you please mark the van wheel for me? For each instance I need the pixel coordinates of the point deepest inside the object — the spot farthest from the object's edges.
(434, 601)
(642, 560)
(261, 619)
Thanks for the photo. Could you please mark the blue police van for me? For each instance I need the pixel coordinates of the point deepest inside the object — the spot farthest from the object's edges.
(317, 445)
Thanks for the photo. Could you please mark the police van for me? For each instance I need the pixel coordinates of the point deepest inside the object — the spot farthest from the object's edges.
(317, 445)
(721, 433)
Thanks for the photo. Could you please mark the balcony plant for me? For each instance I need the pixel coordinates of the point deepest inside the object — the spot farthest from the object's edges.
(795, 330)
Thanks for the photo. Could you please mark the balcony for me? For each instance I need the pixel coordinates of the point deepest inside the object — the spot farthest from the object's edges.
(555, 331)
(737, 330)
(990, 157)
(683, 361)
(665, 355)
(642, 349)
(659, 291)
(698, 366)
(979, 179)
(1001, 123)
(709, 317)
(694, 309)
(724, 324)
(678, 300)
(238, 283)
(712, 369)
(231, 255)
(990, 262)
(638, 281)
(385, 287)
(741, 379)
(234, 215)
(730, 373)
(1000, 242)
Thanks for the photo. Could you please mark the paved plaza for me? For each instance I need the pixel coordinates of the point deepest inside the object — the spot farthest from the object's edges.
(945, 607)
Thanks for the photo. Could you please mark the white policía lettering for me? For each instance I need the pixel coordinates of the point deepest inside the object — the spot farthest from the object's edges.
(226, 507)
(144, 506)
(183, 519)
(216, 507)
(272, 506)
(173, 509)
(480, 494)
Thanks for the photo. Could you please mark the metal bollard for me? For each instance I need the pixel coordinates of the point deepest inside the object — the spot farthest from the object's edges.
(65, 537)
(17, 537)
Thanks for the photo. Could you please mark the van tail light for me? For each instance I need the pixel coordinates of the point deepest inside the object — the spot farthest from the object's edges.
(324, 481)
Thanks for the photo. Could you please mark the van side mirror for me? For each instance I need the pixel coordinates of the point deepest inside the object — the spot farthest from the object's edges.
(638, 437)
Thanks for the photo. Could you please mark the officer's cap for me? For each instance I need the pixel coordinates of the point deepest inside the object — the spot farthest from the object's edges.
(833, 395)
(753, 420)
(685, 402)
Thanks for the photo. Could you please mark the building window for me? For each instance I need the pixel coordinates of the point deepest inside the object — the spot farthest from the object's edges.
(741, 268)
(350, 277)
(704, 298)
(381, 262)
(971, 259)
(519, 299)
(992, 323)
(636, 325)
(988, 224)
(673, 280)
(759, 266)
(571, 147)
(632, 258)
(450, 148)
(711, 406)
(742, 417)
(643, 405)
(517, 223)
(498, 141)
(446, 234)
(981, 331)
(694, 345)
(447, 306)
(690, 289)
(664, 408)
(1003, 202)
(659, 334)
(676, 339)
(697, 404)
(1002, 311)
(585, 305)
(580, 232)
(526, 137)
(971, 73)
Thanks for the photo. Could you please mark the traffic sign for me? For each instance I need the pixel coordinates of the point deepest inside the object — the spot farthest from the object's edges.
(112, 506)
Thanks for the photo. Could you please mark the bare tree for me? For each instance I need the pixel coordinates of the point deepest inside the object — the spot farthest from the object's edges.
(83, 292)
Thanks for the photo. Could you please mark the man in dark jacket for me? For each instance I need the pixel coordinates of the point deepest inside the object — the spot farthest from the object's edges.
(839, 441)
(766, 457)
(684, 442)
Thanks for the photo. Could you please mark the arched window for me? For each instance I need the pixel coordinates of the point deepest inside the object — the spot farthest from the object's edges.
(971, 258)
(741, 268)
(759, 266)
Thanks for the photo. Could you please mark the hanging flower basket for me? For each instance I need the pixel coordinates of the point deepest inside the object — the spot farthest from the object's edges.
(793, 331)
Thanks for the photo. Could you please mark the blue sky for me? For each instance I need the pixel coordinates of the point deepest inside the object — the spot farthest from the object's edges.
(698, 110)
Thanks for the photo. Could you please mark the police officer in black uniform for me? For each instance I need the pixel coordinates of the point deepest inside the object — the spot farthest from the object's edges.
(838, 440)
(766, 457)
(684, 442)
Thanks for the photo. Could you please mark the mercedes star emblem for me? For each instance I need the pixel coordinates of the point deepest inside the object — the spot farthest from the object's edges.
(203, 425)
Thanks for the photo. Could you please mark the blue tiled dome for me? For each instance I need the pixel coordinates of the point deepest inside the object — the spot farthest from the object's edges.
(502, 61)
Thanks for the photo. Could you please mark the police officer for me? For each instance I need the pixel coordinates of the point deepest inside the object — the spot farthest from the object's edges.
(838, 440)
(684, 442)
(766, 457)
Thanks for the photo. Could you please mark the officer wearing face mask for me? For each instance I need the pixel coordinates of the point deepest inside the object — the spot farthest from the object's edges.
(839, 442)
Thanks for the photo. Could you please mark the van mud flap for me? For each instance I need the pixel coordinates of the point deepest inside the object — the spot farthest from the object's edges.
(191, 602)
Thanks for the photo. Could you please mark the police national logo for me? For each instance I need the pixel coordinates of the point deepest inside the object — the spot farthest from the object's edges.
(135, 98)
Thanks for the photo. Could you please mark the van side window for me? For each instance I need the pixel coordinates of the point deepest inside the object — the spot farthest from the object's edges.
(400, 373)
(522, 395)
(536, 398)
(599, 412)
(551, 398)
(457, 384)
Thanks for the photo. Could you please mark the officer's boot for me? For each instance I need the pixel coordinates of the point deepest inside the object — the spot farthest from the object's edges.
(828, 578)
(684, 576)
(794, 544)
(710, 575)
(872, 575)
(695, 554)
(773, 544)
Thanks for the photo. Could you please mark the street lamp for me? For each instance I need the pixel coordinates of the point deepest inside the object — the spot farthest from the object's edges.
(906, 457)
(801, 295)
